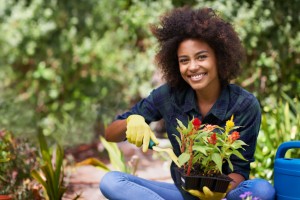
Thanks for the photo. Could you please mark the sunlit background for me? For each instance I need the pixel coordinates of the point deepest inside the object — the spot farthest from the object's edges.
(67, 68)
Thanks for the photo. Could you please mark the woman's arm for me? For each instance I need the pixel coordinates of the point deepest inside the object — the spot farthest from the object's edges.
(116, 131)
(237, 179)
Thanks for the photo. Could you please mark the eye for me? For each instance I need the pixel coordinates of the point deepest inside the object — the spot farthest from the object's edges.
(202, 57)
(183, 61)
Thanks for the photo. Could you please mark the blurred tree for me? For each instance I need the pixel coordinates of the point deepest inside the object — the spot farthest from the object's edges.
(270, 33)
(68, 65)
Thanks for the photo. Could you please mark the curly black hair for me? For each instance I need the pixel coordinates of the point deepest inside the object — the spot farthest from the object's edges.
(204, 24)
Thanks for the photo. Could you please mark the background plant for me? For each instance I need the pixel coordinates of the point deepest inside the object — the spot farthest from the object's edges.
(116, 157)
(17, 159)
(280, 123)
(67, 67)
(50, 175)
(60, 60)
(65, 63)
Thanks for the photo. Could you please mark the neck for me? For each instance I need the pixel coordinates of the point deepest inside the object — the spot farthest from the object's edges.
(209, 95)
(207, 98)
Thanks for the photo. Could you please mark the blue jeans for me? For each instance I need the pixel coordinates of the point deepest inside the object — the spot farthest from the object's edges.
(118, 185)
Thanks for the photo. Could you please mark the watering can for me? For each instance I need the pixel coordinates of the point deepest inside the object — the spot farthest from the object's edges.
(287, 173)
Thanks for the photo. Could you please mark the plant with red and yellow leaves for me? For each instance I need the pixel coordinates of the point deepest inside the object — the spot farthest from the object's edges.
(205, 147)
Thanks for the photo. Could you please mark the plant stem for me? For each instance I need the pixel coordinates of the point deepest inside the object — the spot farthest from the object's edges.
(183, 142)
(191, 156)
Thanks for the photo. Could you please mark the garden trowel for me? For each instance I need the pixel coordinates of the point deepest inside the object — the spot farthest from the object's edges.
(169, 151)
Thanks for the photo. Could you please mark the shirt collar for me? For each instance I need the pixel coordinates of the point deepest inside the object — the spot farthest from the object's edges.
(190, 101)
(219, 109)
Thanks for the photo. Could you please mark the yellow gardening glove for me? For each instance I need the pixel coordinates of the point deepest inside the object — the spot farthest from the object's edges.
(207, 194)
(139, 132)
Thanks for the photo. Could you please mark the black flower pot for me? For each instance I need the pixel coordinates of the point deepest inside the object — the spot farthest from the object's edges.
(214, 183)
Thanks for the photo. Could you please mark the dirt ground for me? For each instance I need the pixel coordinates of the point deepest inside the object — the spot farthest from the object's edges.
(84, 180)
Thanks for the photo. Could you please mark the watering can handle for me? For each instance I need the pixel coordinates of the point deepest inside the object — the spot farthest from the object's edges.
(282, 149)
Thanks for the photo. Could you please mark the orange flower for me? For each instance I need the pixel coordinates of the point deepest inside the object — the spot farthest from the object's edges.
(234, 136)
(209, 127)
(212, 139)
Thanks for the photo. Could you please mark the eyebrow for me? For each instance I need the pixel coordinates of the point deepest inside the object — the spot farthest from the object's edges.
(198, 53)
(201, 52)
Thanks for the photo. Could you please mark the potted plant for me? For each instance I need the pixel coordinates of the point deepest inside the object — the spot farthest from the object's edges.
(204, 148)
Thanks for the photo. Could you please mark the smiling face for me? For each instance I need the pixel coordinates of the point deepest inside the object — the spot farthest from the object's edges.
(198, 65)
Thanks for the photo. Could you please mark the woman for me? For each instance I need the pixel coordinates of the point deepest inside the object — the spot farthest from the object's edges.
(199, 54)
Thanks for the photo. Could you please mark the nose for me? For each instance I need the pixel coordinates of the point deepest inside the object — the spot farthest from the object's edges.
(193, 65)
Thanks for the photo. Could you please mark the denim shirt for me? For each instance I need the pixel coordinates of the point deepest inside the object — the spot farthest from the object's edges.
(169, 103)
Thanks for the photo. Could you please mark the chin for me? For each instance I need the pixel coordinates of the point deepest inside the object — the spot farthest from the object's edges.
(197, 87)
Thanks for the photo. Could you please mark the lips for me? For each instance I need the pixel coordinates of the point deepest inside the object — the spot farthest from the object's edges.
(197, 77)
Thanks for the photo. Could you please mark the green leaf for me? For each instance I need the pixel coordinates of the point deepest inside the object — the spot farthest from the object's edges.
(34, 173)
(287, 116)
(53, 183)
(94, 162)
(177, 139)
(238, 144)
(115, 155)
(183, 158)
(196, 157)
(50, 180)
(218, 160)
(180, 124)
(202, 135)
(44, 148)
(58, 163)
(238, 154)
(4, 160)
(230, 164)
(201, 149)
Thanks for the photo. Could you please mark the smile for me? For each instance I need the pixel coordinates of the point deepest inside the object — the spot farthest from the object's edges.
(197, 77)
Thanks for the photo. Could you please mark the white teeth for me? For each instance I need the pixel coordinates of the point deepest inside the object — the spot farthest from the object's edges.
(197, 77)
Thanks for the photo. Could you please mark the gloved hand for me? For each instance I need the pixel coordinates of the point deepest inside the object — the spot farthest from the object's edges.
(139, 132)
(207, 194)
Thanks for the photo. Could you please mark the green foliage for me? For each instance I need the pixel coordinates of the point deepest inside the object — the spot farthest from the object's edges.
(205, 151)
(17, 159)
(270, 33)
(51, 176)
(116, 157)
(280, 123)
(68, 62)
(65, 65)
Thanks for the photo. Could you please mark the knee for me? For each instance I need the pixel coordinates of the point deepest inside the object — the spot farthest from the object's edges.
(109, 181)
(263, 189)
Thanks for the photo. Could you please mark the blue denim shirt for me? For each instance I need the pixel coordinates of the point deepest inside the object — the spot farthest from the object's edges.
(169, 103)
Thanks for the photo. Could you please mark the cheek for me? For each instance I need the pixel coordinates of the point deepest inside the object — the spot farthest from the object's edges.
(182, 69)
(216, 71)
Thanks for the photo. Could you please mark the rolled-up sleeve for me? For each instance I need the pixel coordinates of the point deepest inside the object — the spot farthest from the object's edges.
(147, 107)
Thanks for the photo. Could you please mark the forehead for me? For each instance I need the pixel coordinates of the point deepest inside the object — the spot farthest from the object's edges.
(191, 46)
